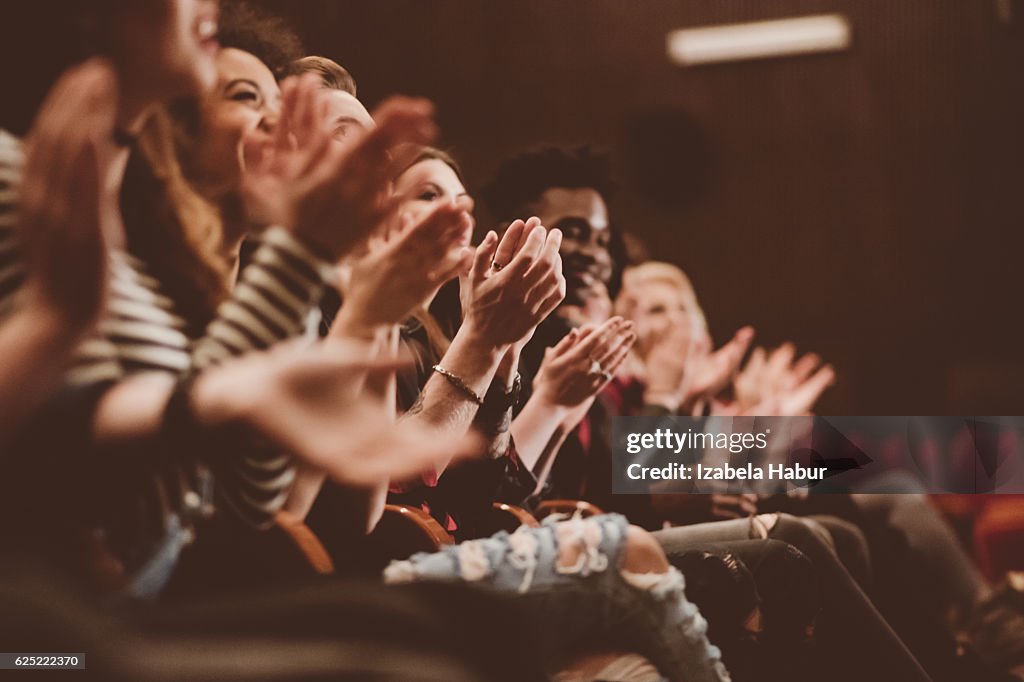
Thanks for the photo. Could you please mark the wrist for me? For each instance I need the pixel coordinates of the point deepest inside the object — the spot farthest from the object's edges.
(475, 336)
(351, 323)
(666, 399)
(508, 368)
(214, 400)
(473, 360)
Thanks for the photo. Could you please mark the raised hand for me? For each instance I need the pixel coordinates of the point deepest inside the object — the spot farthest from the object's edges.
(711, 372)
(403, 270)
(777, 383)
(576, 369)
(67, 210)
(300, 398)
(667, 365)
(504, 300)
(276, 164)
(329, 194)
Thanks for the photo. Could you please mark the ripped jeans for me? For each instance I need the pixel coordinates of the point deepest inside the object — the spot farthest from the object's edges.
(589, 605)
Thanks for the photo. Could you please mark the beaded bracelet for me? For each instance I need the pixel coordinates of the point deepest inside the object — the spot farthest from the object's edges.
(458, 383)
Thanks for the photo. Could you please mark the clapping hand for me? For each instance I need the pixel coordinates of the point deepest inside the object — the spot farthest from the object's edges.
(67, 213)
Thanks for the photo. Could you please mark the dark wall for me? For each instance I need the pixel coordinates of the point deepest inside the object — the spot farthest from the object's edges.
(864, 204)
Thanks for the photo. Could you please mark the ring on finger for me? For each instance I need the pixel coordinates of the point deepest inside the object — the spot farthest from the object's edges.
(496, 266)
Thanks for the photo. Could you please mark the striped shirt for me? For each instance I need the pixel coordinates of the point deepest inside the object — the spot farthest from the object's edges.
(141, 331)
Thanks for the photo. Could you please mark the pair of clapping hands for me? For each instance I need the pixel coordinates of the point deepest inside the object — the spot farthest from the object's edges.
(684, 374)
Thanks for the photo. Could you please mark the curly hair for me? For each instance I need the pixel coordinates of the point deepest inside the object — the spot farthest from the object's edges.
(521, 180)
(248, 27)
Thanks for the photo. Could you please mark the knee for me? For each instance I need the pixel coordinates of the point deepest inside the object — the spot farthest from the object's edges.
(643, 553)
(802, 534)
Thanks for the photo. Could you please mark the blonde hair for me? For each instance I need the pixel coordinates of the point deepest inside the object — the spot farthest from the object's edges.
(655, 272)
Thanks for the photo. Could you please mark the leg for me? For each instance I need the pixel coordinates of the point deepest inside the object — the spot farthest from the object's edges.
(584, 579)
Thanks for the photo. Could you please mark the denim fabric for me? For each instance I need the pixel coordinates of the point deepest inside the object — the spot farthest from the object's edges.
(588, 605)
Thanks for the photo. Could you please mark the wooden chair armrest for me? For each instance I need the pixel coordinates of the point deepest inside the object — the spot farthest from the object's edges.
(582, 507)
(403, 530)
(510, 517)
(306, 542)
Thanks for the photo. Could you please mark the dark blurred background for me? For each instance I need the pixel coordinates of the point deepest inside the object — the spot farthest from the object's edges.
(866, 204)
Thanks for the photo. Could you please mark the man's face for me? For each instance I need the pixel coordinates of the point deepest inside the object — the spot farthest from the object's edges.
(582, 217)
(348, 117)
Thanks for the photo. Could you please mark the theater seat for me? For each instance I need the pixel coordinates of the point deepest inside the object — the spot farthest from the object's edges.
(509, 517)
(305, 541)
(569, 507)
(403, 531)
(999, 536)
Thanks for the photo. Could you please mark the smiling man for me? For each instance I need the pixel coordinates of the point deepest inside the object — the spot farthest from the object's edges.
(568, 190)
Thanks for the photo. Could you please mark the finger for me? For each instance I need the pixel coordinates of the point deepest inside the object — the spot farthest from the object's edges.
(79, 108)
(566, 342)
(400, 121)
(614, 362)
(307, 108)
(743, 338)
(756, 364)
(779, 361)
(509, 245)
(587, 345)
(804, 367)
(451, 264)
(548, 260)
(549, 304)
(621, 336)
(803, 398)
(527, 255)
(484, 257)
(289, 99)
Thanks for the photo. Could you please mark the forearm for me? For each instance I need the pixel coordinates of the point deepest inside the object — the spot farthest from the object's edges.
(534, 429)
(309, 480)
(132, 410)
(304, 491)
(443, 405)
(492, 421)
(35, 348)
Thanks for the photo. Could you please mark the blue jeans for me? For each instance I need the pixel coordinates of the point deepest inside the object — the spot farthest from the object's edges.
(591, 604)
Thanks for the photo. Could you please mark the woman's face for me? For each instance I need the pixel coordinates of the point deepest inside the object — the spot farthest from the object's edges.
(426, 183)
(165, 48)
(245, 101)
(661, 309)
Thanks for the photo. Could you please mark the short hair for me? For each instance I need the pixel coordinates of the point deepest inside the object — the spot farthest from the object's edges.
(521, 180)
(332, 74)
(254, 30)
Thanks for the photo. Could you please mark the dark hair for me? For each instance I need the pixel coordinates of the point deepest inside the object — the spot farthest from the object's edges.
(245, 27)
(521, 180)
(332, 74)
(250, 28)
